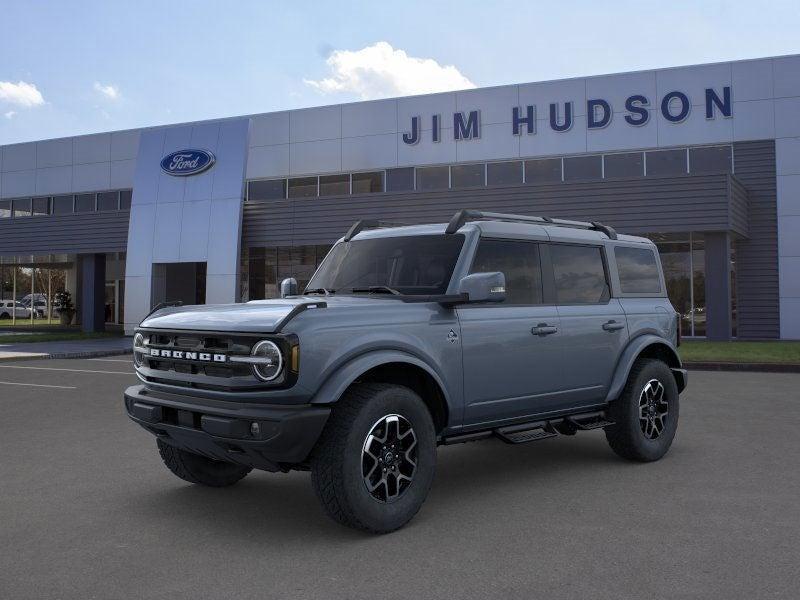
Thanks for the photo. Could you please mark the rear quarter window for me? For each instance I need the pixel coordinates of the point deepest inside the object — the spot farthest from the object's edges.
(638, 270)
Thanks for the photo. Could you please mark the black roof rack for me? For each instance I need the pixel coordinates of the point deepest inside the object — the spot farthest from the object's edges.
(367, 224)
(466, 214)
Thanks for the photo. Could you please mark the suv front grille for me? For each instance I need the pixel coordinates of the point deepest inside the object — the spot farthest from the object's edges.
(199, 374)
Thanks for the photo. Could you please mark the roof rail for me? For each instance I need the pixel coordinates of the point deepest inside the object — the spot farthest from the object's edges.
(466, 214)
(358, 226)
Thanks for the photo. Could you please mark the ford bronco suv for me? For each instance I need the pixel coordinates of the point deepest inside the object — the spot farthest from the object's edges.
(494, 325)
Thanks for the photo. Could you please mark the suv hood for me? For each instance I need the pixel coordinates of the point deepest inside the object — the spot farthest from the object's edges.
(259, 316)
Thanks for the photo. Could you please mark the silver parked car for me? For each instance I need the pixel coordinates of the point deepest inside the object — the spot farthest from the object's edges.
(493, 325)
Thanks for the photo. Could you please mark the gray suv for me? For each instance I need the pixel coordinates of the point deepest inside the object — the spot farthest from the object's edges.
(494, 325)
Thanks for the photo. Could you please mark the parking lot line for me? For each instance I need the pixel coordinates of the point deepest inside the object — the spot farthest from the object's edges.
(70, 370)
(42, 385)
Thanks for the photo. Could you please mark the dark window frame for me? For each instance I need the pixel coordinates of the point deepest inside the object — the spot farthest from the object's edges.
(547, 296)
(662, 293)
(606, 271)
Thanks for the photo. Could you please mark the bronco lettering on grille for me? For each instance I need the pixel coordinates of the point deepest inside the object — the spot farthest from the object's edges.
(182, 354)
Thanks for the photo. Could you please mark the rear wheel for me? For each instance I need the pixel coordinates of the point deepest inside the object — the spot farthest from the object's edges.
(199, 469)
(374, 463)
(645, 415)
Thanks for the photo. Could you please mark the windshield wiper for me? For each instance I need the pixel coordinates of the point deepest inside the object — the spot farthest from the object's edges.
(320, 290)
(376, 289)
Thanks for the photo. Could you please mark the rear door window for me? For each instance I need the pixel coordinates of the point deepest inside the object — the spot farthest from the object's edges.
(579, 273)
(519, 262)
(638, 270)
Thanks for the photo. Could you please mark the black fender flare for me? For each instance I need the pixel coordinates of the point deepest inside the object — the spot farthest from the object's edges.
(634, 349)
(333, 388)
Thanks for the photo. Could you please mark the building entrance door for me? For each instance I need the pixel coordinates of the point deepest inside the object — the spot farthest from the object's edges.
(179, 281)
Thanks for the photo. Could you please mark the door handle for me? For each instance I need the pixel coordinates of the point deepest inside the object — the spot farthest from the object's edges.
(613, 326)
(543, 329)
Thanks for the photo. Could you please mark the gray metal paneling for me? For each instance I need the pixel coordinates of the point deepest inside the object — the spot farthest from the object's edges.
(57, 234)
(740, 205)
(640, 205)
(757, 257)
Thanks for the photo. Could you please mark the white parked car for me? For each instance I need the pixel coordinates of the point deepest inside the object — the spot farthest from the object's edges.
(11, 308)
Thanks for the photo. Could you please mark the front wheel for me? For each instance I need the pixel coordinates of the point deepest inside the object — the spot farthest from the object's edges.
(374, 462)
(645, 415)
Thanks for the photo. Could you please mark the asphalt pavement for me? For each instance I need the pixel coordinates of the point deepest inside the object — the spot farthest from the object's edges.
(87, 510)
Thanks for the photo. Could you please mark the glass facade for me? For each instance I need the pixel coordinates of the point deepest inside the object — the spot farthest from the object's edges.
(683, 257)
(585, 167)
(38, 291)
(263, 269)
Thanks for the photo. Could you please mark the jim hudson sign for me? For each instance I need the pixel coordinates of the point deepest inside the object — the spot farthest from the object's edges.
(674, 106)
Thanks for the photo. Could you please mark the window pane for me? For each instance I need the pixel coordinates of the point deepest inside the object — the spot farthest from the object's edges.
(543, 171)
(400, 180)
(412, 264)
(699, 284)
(519, 262)
(433, 178)
(624, 165)
(334, 185)
(108, 201)
(41, 206)
(715, 159)
(303, 187)
(22, 207)
(62, 205)
(674, 252)
(579, 274)
(272, 189)
(125, 199)
(84, 203)
(468, 175)
(256, 269)
(577, 168)
(504, 173)
(367, 183)
(638, 271)
(5, 209)
(666, 162)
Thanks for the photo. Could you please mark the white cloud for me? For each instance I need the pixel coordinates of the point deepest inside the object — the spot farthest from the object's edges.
(380, 71)
(10, 114)
(109, 91)
(20, 93)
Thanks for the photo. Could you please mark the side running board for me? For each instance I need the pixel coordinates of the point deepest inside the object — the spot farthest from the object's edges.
(537, 430)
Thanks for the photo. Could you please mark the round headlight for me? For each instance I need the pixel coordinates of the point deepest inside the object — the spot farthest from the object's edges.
(138, 349)
(270, 361)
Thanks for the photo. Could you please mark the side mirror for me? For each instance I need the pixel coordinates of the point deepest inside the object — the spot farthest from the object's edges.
(483, 287)
(289, 287)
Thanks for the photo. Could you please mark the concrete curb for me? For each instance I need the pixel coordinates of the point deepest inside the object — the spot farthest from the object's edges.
(58, 355)
(753, 367)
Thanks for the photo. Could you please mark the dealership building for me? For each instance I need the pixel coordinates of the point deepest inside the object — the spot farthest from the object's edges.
(704, 160)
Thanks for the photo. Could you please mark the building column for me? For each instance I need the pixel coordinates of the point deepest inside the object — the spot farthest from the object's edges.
(93, 292)
(718, 286)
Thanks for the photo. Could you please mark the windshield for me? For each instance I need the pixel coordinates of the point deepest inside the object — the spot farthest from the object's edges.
(414, 264)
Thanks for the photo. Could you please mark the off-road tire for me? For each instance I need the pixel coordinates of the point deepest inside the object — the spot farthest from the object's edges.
(336, 461)
(199, 469)
(626, 436)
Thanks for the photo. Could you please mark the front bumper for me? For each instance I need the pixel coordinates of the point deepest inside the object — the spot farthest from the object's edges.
(284, 434)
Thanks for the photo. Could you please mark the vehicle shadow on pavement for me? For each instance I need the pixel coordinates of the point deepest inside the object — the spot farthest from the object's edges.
(277, 506)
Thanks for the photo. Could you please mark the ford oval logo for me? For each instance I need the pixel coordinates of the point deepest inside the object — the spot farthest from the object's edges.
(187, 162)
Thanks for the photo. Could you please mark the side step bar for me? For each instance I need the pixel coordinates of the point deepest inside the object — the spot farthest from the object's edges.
(536, 430)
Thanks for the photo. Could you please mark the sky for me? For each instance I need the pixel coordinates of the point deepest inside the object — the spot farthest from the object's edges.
(85, 66)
